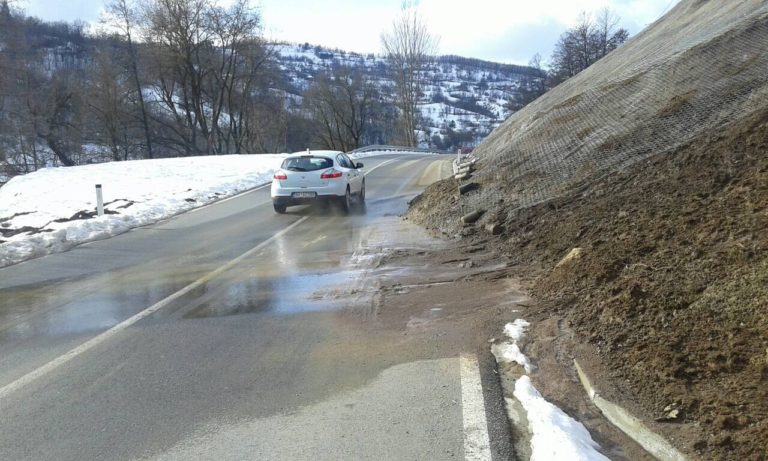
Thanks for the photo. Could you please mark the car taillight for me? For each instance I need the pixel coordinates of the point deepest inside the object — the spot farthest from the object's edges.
(331, 174)
(280, 175)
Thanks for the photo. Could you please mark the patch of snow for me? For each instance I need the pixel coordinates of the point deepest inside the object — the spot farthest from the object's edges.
(554, 435)
(511, 353)
(516, 330)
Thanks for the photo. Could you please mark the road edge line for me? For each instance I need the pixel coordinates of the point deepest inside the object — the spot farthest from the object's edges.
(477, 442)
(100, 338)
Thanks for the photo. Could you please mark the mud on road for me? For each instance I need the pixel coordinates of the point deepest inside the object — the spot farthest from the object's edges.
(442, 297)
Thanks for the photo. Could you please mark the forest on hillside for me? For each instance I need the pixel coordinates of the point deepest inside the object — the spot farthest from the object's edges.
(167, 78)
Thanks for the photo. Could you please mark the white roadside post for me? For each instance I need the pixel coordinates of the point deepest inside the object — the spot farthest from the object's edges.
(99, 201)
(458, 160)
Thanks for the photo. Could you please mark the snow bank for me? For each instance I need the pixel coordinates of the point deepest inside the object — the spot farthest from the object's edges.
(141, 192)
(554, 435)
(509, 352)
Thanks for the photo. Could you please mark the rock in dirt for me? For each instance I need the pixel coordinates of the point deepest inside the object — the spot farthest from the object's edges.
(573, 255)
(493, 228)
(466, 188)
(471, 218)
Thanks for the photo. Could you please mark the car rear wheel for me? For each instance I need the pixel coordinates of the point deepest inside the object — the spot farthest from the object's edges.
(361, 197)
(345, 202)
(279, 207)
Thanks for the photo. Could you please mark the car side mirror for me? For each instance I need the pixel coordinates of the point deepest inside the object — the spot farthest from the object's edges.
(358, 165)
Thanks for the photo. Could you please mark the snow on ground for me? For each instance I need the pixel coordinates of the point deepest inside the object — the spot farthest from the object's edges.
(53, 205)
(510, 353)
(516, 330)
(554, 435)
(141, 192)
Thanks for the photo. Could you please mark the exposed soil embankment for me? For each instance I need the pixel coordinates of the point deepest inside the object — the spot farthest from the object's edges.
(670, 288)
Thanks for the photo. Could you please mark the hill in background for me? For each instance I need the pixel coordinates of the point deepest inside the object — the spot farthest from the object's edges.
(463, 99)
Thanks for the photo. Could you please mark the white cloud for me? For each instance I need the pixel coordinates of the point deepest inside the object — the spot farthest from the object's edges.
(502, 30)
(481, 28)
(489, 23)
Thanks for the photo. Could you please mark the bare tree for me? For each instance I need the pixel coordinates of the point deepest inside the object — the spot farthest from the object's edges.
(585, 46)
(238, 58)
(177, 33)
(341, 104)
(110, 103)
(62, 117)
(532, 85)
(609, 35)
(409, 47)
(207, 61)
(586, 43)
(123, 16)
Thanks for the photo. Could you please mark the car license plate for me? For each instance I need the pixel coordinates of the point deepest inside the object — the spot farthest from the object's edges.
(305, 194)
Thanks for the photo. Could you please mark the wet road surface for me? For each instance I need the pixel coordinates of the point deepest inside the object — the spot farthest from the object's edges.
(271, 349)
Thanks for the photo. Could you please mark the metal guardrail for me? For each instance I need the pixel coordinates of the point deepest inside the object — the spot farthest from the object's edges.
(385, 148)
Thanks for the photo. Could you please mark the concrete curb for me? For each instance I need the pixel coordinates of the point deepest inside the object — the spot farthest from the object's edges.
(653, 443)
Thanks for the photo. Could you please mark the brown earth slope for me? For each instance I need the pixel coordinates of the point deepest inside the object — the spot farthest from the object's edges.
(656, 166)
(671, 288)
(672, 284)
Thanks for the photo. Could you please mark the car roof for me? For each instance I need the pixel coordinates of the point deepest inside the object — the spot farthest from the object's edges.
(315, 152)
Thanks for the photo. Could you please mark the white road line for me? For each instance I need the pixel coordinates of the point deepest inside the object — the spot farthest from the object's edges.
(95, 341)
(477, 443)
(379, 166)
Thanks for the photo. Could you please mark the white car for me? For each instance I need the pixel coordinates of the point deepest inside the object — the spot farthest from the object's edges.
(318, 176)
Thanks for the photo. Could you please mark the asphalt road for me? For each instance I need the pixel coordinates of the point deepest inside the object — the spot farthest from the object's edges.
(230, 333)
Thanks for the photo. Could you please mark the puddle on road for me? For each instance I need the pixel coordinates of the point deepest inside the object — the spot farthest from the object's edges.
(283, 295)
(325, 267)
(70, 307)
(331, 263)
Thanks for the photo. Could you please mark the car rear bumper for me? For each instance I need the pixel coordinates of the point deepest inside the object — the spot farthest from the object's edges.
(291, 201)
(286, 195)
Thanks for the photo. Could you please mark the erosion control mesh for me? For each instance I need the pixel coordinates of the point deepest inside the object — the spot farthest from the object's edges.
(702, 65)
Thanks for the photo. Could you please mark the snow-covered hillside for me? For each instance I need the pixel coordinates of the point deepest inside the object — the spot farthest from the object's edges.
(462, 97)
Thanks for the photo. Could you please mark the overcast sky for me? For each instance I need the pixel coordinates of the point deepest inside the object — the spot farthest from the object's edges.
(496, 30)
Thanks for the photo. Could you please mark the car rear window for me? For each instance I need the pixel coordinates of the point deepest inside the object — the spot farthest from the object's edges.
(307, 163)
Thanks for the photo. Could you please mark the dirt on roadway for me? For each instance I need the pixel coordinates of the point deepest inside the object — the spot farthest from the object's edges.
(458, 295)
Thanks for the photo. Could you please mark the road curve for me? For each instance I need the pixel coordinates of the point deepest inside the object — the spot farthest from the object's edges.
(220, 334)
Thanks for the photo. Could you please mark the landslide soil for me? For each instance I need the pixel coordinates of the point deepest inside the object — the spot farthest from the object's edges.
(670, 292)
